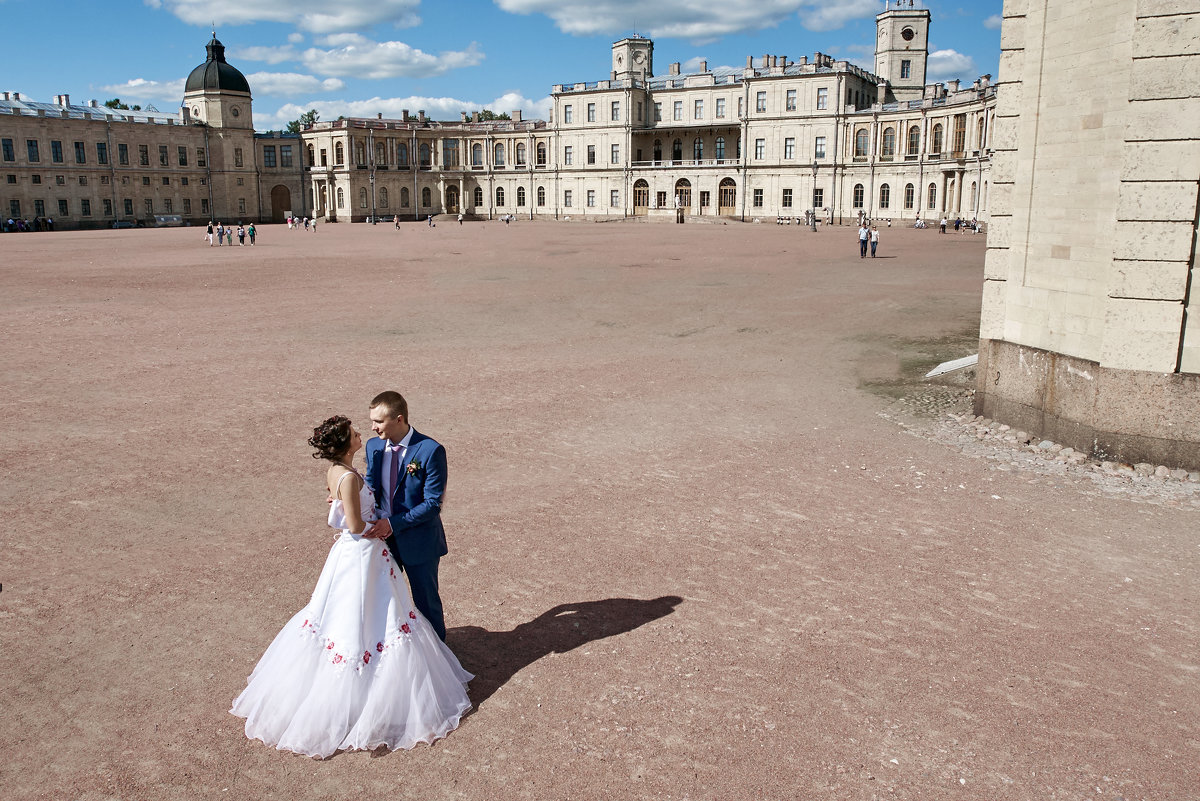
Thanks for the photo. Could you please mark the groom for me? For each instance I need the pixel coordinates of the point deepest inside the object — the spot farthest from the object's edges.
(407, 471)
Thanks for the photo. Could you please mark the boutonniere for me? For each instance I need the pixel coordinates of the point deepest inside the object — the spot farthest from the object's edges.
(413, 467)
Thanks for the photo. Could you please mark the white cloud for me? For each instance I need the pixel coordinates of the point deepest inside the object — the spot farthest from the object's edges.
(295, 38)
(311, 15)
(291, 83)
(142, 89)
(357, 56)
(993, 22)
(687, 19)
(949, 64)
(437, 108)
(271, 55)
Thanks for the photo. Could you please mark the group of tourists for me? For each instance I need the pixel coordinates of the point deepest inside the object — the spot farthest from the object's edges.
(224, 235)
(19, 225)
(296, 223)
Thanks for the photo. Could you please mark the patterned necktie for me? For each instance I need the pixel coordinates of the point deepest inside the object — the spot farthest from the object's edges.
(395, 469)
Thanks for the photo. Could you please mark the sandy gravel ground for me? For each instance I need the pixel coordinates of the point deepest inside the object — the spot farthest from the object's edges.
(690, 558)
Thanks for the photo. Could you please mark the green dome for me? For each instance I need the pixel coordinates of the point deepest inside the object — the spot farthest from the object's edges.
(215, 74)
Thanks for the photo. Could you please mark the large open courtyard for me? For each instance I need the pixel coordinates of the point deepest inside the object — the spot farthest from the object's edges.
(689, 558)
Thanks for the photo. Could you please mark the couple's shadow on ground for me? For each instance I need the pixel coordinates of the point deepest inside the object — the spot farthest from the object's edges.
(496, 656)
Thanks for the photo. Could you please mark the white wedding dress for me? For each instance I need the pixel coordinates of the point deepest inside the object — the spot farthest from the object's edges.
(358, 667)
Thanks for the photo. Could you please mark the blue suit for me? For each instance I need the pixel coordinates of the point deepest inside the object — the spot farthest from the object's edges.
(418, 540)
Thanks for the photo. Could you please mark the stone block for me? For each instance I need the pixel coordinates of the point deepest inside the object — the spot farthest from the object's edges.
(1016, 8)
(996, 262)
(1157, 201)
(992, 312)
(1175, 35)
(1012, 66)
(1004, 166)
(1151, 120)
(1153, 241)
(1159, 78)
(1004, 133)
(1001, 200)
(1149, 280)
(1141, 334)
(1012, 33)
(1163, 8)
(1000, 231)
(1161, 161)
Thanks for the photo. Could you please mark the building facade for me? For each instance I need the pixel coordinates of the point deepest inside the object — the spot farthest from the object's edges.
(782, 139)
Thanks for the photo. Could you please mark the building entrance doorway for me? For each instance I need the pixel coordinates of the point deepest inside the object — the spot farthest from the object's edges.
(281, 203)
(683, 195)
(727, 198)
(452, 199)
(641, 197)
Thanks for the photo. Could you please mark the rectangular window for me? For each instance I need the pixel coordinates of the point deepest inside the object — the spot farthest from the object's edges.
(182, 156)
(166, 180)
(639, 109)
(615, 115)
(144, 155)
(741, 106)
(85, 208)
(163, 158)
(658, 112)
(591, 154)
(56, 152)
(14, 208)
(149, 203)
(591, 109)
(62, 208)
(760, 103)
(567, 155)
(661, 199)
(80, 153)
(791, 99)
(61, 180)
(201, 161)
(698, 110)
(187, 205)
(167, 206)
(818, 198)
(567, 115)
(819, 148)
(720, 108)
(37, 179)
(123, 154)
(241, 205)
(677, 110)
(758, 198)
(204, 206)
(12, 178)
(128, 207)
(240, 181)
(787, 198)
(268, 155)
(10, 153)
(145, 180)
(822, 98)
(789, 148)
(104, 180)
(905, 68)
(83, 180)
(567, 198)
(615, 158)
(285, 155)
(237, 157)
(591, 198)
(39, 208)
(183, 180)
(101, 152)
(760, 148)
(614, 198)
(31, 150)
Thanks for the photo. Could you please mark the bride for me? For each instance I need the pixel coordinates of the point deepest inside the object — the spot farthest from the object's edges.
(358, 667)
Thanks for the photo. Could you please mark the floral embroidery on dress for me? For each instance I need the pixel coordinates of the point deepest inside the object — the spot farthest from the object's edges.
(406, 629)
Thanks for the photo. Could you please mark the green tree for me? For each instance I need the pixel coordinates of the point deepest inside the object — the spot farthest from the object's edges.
(307, 120)
(488, 114)
(116, 103)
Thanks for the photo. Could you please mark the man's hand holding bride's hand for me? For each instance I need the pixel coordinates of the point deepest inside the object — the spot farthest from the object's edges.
(379, 530)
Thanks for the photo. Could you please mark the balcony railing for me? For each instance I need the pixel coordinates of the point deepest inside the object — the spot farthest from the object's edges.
(687, 163)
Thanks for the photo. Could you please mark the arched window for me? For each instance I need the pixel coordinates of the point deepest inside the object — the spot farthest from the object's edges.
(383, 197)
(979, 135)
(476, 155)
(974, 196)
(860, 143)
(312, 161)
(499, 196)
(658, 150)
(478, 196)
(677, 150)
(423, 154)
(362, 198)
(404, 197)
(914, 140)
(889, 142)
(339, 154)
(499, 160)
(935, 147)
(520, 154)
(858, 196)
(402, 154)
(698, 149)
(380, 153)
(341, 199)
(932, 196)
(541, 195)
(910, 195)
(541, 156)
(885, 196)
(520, 196)
(426, 198)
(720, 148)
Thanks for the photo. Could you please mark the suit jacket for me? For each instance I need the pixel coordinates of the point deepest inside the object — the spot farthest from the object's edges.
(417, 533)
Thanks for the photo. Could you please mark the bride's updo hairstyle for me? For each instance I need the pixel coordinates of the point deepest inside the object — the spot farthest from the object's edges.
(332, 438)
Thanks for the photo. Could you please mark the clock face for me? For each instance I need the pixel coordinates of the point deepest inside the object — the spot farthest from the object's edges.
(235, 111)
(195, 111)
(637, 56)
(908, 34)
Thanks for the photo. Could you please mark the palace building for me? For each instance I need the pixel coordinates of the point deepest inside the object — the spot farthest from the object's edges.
(780, 138)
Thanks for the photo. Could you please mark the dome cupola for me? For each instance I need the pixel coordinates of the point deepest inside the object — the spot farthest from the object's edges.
(215, 74)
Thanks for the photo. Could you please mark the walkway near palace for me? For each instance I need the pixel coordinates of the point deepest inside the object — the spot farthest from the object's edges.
(689, 559)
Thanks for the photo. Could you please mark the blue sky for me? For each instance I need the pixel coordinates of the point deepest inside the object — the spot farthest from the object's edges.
(361, 57)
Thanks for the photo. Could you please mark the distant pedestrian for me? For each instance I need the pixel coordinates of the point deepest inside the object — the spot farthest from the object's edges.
(220, 235)
(314, 224)
(460, 218)
(305, 223)
(429, 219)
(229, 235)
(874, 239)
(241, 235)
(209, 235)
(943, 224)
(396, 221)
(49, 223)
(864, 235)
(253, 232)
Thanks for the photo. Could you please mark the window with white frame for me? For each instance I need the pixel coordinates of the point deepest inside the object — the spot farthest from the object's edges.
(758, 198)
(822, 98)
(591, 154)
(787, 198)
(591, 111)
(615, 156)
(615, 113)
(591, 198)
(567, 155)
(819, 148)
(760, 148)
(720, 108)
(760, 102)
(678, 109)
(567, 198)
(859, 194)
(698, 110)
(614, 198)
(568, 113)
(789, 148)
(791, 100)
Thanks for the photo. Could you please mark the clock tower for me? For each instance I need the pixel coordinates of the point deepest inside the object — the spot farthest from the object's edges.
(633, 58)
(901, 49)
